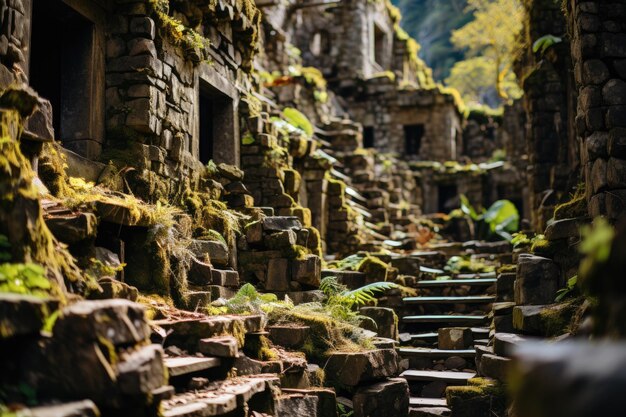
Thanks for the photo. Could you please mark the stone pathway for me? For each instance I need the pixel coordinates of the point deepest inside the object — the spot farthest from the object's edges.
(442, 328)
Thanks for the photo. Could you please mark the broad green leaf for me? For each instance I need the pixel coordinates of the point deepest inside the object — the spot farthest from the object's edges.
(502, 216)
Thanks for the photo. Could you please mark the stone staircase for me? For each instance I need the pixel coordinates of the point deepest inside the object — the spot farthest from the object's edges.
(442, 328)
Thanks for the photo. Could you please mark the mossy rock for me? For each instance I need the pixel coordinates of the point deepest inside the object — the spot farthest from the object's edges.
(480, 398)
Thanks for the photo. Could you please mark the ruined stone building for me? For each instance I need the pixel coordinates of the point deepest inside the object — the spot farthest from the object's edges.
(178, 177)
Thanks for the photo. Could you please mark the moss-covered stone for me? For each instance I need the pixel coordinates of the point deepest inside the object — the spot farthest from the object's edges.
(480, 398)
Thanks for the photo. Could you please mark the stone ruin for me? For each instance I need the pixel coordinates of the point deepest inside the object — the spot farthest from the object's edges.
(193, 174)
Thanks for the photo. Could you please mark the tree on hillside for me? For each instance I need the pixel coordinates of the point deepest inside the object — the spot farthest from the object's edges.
(489, 40)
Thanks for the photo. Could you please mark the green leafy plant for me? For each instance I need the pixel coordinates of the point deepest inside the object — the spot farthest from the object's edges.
(247, 301)
(498, 221)
(570, 289)
(597, 240)
(542, 44)
(27, 279)
(460, 265)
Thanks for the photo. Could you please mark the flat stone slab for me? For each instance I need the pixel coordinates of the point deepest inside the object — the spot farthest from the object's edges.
(430, 412)
(433, 283)
(458, 378)
(445, 319)
(449, 300)
(355, 368)
(280, 223)
(219, 346)
(85, 408)
(505, 343)
(435, 353)
(189, 364)
(427, 402)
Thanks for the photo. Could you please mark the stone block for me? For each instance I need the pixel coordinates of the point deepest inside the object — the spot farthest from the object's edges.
(494, 366)
(280, 223)
(351, 279)
(537, 280)
(278, 275)
(356, 368)
(455, 338)
(280, 240)
(254, 233)
(547, 320)
(307, 271)
(505, 343)
(216, 251)
(406, 265)
(386, 321)
(296, 405)
(219, 346)
(566, 228)
(122, 322)
(387, 398)
(291, 337)
(200, 272)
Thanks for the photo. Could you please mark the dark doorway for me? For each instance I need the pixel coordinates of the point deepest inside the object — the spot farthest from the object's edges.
(368, 137)
(413, 139)
(216, 120)
(447, 196)
(61, 64)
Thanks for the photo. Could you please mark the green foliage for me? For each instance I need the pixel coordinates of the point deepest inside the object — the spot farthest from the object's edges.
(569, 290)
(499, 220)
(489, 40)
(542, 44)
(597, 240)
(338, 294)
(27, 279)
(343, 412)
(247, 301)
(299, 120)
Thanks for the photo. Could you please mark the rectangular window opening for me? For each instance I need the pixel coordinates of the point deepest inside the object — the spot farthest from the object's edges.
(216, 137)
(368, 137)
(413, 139)
(448, 198)
(379, 45)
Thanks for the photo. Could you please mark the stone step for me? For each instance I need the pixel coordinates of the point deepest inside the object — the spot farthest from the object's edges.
(185, 365)
(453, 378)
(427, 402)
(477, 332)
(457, 320)
(425, 353)
(473, 299)
(218, 398)
(435, 283)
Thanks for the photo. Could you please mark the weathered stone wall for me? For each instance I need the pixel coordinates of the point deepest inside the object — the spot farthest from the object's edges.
(549, 95)
(598, 31)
